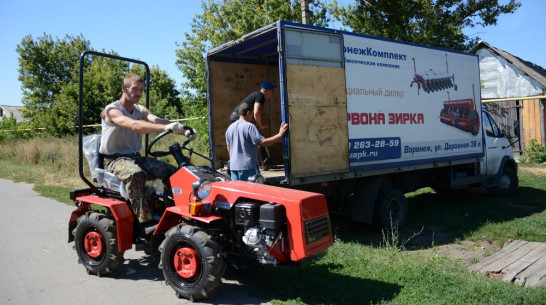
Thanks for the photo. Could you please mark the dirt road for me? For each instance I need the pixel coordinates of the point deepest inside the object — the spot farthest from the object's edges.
(38, 266)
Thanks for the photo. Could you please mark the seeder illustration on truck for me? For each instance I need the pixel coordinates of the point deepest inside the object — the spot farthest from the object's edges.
(461, 114)
(432, 81)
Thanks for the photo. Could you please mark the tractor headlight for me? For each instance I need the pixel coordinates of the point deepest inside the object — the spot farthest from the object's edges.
(257, 179)
(202, 188)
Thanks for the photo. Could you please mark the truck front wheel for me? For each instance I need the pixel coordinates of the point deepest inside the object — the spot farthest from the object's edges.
(508, 183)
(95, 241)
(391, 209)
(191, 262)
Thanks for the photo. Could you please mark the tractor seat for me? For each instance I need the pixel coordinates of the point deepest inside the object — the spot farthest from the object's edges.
(106, 179)
(111, 182)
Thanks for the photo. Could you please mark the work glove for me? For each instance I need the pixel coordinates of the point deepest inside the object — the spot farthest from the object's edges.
(190, 135)
(176, 128)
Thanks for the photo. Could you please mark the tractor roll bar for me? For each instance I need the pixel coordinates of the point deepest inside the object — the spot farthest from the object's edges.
(80, 105)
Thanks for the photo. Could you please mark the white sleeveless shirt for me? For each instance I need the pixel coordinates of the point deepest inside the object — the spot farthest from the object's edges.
(119, 140)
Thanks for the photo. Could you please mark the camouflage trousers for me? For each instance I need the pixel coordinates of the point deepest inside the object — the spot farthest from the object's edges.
(134, 170)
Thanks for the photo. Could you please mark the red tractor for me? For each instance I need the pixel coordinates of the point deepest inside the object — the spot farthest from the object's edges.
(206, 223)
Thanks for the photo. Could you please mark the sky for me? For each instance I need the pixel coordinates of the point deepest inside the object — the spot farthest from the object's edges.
(149, 31)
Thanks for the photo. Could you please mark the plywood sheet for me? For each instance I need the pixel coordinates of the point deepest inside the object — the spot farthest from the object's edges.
(317, 111)
(230, 83)
(521, 262)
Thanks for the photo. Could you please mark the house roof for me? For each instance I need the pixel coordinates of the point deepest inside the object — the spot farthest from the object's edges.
(7, 111)
(532, 70)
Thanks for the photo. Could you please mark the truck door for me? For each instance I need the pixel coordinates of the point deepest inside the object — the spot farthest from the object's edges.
(315, 102)
(495, 145)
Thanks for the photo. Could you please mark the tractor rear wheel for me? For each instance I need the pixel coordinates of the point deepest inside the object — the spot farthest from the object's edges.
(192, 262)
(96, 243)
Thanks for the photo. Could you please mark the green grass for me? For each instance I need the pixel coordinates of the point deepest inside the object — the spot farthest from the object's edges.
(364, 266)
(59, 193)
(367, 267)
(476, 215)
(353, 273)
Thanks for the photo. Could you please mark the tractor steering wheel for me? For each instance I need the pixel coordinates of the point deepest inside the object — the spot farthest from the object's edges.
(172, 148)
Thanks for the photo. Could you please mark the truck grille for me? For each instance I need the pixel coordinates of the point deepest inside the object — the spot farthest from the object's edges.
(316, 229)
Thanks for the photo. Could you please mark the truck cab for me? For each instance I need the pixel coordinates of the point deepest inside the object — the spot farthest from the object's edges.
(498, 163)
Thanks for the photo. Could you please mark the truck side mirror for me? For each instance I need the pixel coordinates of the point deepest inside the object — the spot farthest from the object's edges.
(516, 128)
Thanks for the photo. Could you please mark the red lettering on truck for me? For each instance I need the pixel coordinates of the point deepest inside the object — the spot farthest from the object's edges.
(406, 118)
(365, 118)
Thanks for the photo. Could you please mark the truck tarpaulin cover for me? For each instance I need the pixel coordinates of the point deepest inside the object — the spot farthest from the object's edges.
(409, 104)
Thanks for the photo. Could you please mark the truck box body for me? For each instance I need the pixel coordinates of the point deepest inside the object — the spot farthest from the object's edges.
(356, 105)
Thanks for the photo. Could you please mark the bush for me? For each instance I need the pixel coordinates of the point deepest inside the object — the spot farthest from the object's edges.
(10, 129)
(534, 152)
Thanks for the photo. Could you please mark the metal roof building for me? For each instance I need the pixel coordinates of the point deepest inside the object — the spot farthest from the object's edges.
(8, 111)
(513, 90)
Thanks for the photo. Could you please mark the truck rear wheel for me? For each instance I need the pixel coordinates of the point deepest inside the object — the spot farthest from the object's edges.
(391, 209)
(508, 183)
(96, 243)
(191, 262)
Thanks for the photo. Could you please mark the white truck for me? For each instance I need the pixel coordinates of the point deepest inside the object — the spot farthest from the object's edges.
(370, 118)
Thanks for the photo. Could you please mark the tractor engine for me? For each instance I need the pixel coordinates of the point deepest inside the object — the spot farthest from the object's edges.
(262, 228)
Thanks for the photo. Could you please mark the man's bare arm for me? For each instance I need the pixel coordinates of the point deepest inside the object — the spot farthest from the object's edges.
(115, 116)
(150, 117)
(275, 138)
(258, 116)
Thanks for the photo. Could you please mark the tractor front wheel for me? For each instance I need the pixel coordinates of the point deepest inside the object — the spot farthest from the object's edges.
(191, 261)
(96, 244)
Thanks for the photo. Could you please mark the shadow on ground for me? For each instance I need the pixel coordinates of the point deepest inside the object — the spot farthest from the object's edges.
(315, 284)
(442, 218)
(262, 284)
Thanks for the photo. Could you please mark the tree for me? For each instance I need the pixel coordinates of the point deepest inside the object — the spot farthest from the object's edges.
(46, 68)
(49, 72)
(430, 22)
(220, 22)
(11, 129)
(164, 97)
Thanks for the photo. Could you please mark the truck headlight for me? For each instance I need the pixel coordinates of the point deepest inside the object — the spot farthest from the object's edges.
(202, 188)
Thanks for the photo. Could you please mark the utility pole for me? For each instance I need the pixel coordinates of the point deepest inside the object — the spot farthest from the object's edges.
(305, 13)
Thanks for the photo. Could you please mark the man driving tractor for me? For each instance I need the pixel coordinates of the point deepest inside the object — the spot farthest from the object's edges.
(123, 123)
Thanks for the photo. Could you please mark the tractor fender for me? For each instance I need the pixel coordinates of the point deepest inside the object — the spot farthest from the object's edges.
(174, 215)
(123, 217)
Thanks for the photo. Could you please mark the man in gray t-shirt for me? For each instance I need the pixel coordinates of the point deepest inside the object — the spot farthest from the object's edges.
(242, 137)
(123, 123)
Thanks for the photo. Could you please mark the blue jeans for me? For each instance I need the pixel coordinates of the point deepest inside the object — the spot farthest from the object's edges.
(243, 174)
